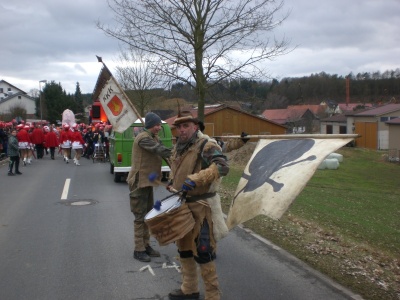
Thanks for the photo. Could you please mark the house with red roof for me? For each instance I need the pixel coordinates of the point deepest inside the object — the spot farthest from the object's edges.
(346, 107)
(319, 110)
(298, 119)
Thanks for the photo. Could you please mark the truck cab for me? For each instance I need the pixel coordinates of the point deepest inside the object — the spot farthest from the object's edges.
(121, 149)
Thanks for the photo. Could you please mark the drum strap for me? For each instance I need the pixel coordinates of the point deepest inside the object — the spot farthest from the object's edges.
(199, 197)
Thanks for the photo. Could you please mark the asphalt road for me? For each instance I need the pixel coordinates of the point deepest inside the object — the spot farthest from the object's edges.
(66, 233)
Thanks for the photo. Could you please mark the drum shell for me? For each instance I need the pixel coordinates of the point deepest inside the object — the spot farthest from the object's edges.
(171, 225)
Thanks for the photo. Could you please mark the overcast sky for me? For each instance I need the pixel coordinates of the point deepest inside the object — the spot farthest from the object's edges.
(58, 40)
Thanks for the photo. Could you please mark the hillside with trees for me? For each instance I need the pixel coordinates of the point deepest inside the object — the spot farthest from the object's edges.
(252, 95)
(256, 96)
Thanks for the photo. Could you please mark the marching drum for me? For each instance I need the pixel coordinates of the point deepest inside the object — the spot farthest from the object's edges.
(171, 222)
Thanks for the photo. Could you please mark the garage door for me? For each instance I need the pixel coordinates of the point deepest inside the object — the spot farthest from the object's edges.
(368, 135)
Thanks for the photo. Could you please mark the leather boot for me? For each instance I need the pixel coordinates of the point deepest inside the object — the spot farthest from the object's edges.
(210, 279)
(190, 283)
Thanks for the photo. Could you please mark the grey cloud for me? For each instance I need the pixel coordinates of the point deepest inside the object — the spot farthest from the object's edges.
(58, 40)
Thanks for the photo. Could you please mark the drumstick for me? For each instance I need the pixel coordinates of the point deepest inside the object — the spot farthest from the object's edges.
(153, 177)
(157, 204)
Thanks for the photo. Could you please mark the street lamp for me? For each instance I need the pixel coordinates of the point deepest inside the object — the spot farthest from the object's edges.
(40, 100)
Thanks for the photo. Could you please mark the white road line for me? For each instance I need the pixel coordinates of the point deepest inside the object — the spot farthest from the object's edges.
(64, 195)
(148, 267)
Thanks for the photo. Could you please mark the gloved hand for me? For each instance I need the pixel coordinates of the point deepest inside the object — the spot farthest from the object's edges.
(188, 185)
(153, 176)
(244, 139)
(169, 187)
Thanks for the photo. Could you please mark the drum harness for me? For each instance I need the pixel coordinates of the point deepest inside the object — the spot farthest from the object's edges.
(183, 198)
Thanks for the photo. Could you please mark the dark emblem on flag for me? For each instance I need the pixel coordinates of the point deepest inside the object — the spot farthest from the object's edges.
(273, 157)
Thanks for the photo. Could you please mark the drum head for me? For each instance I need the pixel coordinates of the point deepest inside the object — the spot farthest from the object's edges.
(165, 206)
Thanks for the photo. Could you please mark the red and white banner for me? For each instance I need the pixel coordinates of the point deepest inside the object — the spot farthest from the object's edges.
(276, 173)
(119, 109)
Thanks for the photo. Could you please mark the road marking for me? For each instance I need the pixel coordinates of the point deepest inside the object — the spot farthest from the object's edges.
(149, 268)
(174, 266)
(64, 195)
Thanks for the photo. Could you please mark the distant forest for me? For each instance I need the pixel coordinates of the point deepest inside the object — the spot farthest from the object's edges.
(260, 95)
(256, 96)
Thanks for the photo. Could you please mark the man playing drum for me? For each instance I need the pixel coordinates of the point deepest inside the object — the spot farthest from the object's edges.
(197, 165)
(147, 154)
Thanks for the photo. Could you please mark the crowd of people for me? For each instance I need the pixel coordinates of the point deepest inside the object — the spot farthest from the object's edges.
(23, 142)
(197, 164)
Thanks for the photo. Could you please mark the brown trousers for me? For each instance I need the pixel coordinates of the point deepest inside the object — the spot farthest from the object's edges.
(141, 201)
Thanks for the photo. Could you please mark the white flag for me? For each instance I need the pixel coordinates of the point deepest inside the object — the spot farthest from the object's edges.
(119, 109)
(275, 174)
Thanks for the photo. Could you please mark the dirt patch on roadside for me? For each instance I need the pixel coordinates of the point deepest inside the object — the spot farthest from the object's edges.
(241, 156)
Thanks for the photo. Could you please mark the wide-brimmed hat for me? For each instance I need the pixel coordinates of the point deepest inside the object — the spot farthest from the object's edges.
(185, 116)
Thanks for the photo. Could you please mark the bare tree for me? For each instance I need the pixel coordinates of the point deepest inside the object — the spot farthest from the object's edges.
(17, 110)
(135, 73)
(200, 42)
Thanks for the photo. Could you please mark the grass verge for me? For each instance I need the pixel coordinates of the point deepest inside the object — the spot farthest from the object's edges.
(345, 223)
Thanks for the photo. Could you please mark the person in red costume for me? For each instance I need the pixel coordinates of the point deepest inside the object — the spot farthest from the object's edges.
(77, 143)
(51, 140)
(24, 142)
(65, 142)
(37, 138)
(31, 153)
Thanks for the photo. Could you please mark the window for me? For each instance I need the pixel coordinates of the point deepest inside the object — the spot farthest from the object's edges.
(96, 112)
(329, 129)
(9, 89)
(1, 90)
(342, 130)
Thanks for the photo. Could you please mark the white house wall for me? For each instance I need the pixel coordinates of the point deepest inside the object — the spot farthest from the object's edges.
(350, 125)
(335, 127)
(18, 100)
(383, 139)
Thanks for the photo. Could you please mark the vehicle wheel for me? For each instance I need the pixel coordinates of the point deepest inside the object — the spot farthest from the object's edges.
(117, 177)
(111, 168)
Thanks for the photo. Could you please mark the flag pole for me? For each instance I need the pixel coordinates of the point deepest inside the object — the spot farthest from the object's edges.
(99, 59)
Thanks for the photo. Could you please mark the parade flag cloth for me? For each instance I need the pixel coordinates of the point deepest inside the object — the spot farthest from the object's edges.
(68, 117)
(119, 109)
(276, 173)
